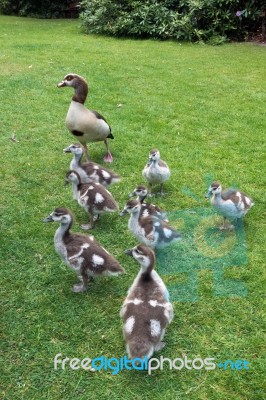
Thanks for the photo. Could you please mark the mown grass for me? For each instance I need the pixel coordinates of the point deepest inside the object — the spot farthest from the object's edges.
(204, 108)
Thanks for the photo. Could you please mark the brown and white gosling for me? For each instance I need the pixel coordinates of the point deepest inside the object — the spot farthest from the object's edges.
(231, 203)
(80, 252)
(147, 208)
(93, 197)
(151, 231)
(86, 125)
(146, 311)
(156, 171)
(90, 171)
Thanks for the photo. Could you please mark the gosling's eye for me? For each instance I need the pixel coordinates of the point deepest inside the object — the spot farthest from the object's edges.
(138, 252)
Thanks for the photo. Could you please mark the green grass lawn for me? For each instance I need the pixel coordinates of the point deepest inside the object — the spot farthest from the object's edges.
(204, 108)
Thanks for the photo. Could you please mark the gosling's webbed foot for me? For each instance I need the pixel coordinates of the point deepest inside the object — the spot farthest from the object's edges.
(86, 227)
(231, 227)
(222, 228)
(227, 227)
(159, 346)
(79, 288)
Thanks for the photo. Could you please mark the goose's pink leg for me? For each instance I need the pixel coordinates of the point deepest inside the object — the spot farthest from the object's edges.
(108, 156)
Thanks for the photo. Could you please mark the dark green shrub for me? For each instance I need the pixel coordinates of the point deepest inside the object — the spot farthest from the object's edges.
(218, 20)
(35, 8)
(134, 18)
(213, 21)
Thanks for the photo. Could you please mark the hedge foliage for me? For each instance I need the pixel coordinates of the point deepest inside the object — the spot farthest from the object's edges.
(213, 21)
(35, 8)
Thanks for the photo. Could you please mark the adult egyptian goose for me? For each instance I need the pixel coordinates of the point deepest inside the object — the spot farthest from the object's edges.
(146, 311)
(156, 171)
(151, 231)
(86, 125)
(93, 197)
(231, 203)
(90, 171)
(81, 253)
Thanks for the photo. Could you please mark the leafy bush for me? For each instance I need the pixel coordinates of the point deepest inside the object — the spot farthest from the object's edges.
(34, 8)
(134, 18)
(213, 21)
(197, 20)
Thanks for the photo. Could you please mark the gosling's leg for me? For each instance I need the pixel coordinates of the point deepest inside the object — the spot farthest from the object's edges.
(150, 187)
(82, 286)
(222, 227)
(90, 224)
(96, 217)
(229, 227)
(238, 223)
(161, 190)
(159, 346)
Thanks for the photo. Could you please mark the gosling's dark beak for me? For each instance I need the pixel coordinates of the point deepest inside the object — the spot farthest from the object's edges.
(48, 219)
(122, 213)
(67, 150)
(129, 252)
(149, 162)
(208, 194)
(132, 194)
(66, 182)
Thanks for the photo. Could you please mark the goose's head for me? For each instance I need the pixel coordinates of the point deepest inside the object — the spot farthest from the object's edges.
(131, 207)
(143, 254)
(61, 215)
(215, 188)
(72, 80)
(154, 155)
(73, 177)
(74, 149)
(140, 191)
